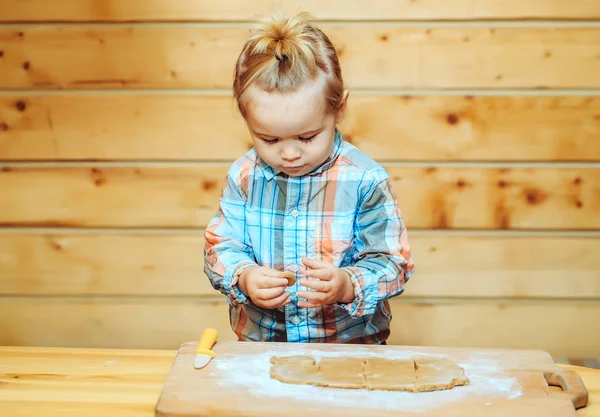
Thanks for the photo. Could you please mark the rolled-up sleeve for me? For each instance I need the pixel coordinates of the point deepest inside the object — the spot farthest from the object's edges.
(383, 262)
(227, 250)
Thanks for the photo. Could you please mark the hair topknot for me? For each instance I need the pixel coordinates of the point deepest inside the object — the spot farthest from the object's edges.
(282, 54)
(285, 39)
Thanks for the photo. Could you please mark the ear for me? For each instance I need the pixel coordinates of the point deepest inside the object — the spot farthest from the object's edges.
(340, 115)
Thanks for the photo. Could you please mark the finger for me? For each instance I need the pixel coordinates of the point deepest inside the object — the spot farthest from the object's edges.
(322, 274)
(267, 294)
(316, 285)
(270, 272)
(314, 264)
(272, 282)
(313, 296)
(306, 304)
(277, 302)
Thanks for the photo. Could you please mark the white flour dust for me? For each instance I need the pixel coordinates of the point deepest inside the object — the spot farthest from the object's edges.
(251, 372)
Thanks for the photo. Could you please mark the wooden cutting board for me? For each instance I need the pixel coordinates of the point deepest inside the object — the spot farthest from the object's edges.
(237, 383)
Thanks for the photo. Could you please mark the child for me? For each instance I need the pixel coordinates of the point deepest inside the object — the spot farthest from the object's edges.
(304, 200)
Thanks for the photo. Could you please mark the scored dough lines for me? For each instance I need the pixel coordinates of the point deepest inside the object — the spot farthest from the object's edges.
(414, 375)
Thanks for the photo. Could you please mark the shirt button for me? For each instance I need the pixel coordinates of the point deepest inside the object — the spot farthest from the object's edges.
(294, 213)
(295, 320)
(294, 268)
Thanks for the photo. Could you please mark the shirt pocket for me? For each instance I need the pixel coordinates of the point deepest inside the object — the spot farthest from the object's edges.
(334, 240)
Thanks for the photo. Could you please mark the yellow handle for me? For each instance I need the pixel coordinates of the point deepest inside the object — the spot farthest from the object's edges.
(208, 339)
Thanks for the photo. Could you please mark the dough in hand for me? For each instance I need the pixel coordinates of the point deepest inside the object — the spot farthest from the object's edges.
(413, 375)
(290, 277)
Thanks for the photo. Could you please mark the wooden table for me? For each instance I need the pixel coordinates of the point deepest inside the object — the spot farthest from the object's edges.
(57, 382)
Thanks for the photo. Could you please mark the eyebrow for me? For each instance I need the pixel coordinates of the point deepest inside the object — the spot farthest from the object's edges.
(301, 134)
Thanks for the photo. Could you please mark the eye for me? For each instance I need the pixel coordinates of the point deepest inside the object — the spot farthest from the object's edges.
(270, 141)
(307, 139)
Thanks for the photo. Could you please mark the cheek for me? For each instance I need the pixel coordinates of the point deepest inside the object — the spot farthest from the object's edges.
(266, 152)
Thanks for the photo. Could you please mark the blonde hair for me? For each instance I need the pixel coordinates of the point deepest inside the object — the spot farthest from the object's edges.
(283, 54)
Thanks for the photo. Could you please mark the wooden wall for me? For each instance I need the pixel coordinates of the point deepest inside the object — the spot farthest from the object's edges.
(117, 126)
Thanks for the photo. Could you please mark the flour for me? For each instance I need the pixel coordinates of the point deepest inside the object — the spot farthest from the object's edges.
(251, 372)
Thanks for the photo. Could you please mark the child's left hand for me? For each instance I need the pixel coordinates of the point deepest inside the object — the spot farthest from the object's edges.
(332, 286)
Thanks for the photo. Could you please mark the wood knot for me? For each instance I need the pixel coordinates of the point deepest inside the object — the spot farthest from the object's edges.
(433, 249)
(577, 181)
(209, 185)
(5, 169)
(502, 184)
(579, 203)
(384, 37)
(452, 119)
(3, 127)
(20, 105)
(21, 35)
(26, 65)
(1, 53)
(461, 183)
(98, 177)
(534, 196)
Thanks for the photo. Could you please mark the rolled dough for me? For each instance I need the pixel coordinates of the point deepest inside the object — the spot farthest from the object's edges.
(415, 375)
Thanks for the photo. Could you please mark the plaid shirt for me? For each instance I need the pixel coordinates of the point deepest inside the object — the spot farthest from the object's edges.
(344, 212)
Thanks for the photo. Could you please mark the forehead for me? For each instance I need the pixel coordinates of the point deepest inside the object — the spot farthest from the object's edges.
(286, 114)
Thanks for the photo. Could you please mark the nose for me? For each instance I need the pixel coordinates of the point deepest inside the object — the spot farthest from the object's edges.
(290, 153)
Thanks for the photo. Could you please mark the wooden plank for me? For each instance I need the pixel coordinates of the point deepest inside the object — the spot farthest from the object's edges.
(372, 56)
(173, 265)
(202, 10)
(187, 196)
(167, 324)
(184, 127)
(81, 382)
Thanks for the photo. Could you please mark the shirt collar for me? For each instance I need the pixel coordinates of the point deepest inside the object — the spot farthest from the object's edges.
(270, 172)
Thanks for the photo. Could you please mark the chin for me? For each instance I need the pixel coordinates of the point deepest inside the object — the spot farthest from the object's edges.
(299, 173)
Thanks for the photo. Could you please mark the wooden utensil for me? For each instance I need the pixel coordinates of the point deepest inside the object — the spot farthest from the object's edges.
(502, 382)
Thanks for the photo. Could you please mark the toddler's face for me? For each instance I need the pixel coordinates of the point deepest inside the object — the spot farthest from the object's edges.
(292, 132)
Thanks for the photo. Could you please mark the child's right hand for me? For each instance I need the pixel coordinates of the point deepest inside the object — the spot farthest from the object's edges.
(264, 287)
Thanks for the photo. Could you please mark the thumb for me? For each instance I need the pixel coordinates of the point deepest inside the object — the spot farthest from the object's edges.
(270, 272)
(314, 264)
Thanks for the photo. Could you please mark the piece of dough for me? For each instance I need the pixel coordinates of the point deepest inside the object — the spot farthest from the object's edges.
(294, 369)
(293, 360)
(390, 374)
(339, 373)
(413, 375)
(291, 277)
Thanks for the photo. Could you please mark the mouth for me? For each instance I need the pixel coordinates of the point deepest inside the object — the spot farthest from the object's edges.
(295, 167)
